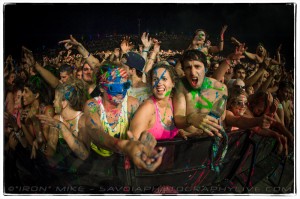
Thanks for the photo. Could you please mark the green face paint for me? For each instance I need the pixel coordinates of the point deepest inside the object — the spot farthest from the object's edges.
(167, 93)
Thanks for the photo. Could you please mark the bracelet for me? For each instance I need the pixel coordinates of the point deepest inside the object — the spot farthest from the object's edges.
(222, 41)
(87, 56)
(227, 61)
(145, 51)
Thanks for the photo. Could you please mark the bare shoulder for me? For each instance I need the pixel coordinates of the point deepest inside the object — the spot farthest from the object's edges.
(217, 84)
(132, 101)
(91, 104)
(82, 121)
(179, 87)
(147, 104)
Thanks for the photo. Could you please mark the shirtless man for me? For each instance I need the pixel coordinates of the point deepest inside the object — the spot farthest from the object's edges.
(195, 95)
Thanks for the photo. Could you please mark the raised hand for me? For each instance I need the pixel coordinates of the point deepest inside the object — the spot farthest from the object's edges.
(147, 42)
(279, 48)
(117, 52)
(235, 41)
(29, 59)
(156, 47)
(224, 28)
(238, 53)
(126, 45)
(69, 43)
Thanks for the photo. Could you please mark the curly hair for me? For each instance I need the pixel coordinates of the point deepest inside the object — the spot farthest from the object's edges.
(75, 92)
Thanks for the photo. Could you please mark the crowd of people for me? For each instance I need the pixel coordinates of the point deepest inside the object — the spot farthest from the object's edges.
(82, 105)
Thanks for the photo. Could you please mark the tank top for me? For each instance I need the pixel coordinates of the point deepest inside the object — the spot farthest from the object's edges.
(65, 159)
(75, 131)
(119, 131)
(159, 130)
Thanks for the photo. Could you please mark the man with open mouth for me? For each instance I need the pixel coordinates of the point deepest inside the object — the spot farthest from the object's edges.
(195, 95)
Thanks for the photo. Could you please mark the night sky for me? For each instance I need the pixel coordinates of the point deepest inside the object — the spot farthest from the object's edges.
(37, 25)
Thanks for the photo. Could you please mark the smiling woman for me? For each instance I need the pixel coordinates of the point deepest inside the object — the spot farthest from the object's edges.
(155, 115)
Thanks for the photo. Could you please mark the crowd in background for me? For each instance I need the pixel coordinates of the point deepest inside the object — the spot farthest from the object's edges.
(80, 104)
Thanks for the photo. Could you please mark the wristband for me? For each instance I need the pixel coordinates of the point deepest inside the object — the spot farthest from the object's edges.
(145, 51)
(87, 56)
(228, 62)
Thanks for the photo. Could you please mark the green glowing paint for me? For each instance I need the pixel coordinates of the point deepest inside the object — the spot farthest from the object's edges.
(93, 109)
(167, 93)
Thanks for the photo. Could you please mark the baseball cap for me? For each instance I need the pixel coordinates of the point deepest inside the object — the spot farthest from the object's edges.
(135, 60)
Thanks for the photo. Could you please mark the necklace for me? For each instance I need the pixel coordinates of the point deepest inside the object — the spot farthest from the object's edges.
(164, 117)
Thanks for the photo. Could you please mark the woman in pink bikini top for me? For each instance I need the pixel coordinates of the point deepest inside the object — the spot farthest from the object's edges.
(155, 115)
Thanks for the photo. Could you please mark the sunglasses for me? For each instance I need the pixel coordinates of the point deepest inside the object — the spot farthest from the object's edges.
(239, 86)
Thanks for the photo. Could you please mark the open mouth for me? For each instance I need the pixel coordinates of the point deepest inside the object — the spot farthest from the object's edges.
(160, 90)
(194, 81)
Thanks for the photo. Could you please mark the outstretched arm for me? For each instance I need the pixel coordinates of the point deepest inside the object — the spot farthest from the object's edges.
(215, 49)
(47, 75)
(140, 154)
(227, 63)
(72, 42)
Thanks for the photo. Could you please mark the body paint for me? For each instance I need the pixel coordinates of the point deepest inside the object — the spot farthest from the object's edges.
(156, 82)
(93, 107)
(167, 93)
(93, 122)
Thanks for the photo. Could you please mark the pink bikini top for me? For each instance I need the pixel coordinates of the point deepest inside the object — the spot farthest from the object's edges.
(160, 130)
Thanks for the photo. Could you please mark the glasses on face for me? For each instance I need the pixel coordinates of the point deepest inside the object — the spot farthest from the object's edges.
(239, 86)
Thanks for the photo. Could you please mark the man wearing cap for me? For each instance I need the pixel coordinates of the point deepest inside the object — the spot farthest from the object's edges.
(134, 64)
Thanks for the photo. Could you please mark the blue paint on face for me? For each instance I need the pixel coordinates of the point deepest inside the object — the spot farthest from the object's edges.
(156, 83)
(115, 78)
(117, 88)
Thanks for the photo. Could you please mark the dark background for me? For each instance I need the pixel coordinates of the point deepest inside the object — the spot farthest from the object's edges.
(40, 26)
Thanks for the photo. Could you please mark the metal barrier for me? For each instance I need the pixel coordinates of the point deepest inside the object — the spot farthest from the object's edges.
(185, 168)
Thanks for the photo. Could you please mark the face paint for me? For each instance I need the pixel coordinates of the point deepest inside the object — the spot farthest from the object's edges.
(156, 83)
(93, 122)
(67, 94)
(117, 88)
(168, 93)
